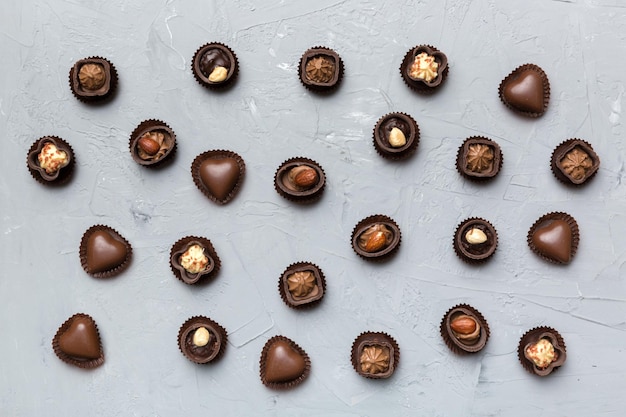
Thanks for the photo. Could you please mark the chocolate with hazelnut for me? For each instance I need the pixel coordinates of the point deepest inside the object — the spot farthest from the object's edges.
(202, 340)
(215, 65)
(152, 142)
(464, 329)
(300, 179)
(475, 240)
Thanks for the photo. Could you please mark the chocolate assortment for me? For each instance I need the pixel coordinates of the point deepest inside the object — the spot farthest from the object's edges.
(219, 175)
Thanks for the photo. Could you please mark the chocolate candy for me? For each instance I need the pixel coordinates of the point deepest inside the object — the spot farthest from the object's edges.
(202, 340)
(526, 90)
(376, 238)
(554, 237)
(283, 364)
(93, 79)
(475, 240)
(193, 259)
(104, 252)
(299, 179)
(302, 285)
(218, 174)
(464, 329)
(152, 143)
(50, 161)
(320, 69)
(77, 342)
(424, 68)
(574, 162)
(375, 355)
(479, 158)
(215, 65)
(541, 351)
(396, 136)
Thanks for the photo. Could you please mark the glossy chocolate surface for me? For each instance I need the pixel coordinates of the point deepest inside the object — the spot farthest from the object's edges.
(218, 174)
(526, 90)
(157, 131)
(554, 237)
(284, 364)
(104, 252)
(78, 343)
(210, 56)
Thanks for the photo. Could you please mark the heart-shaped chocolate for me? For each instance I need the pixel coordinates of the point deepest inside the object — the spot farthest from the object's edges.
(526, 90)
(554, 241)
(218, 174)
(283, 363)
(81, 339)
(104, 251)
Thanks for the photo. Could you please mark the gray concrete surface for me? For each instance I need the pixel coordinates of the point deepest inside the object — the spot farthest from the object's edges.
(267, 118)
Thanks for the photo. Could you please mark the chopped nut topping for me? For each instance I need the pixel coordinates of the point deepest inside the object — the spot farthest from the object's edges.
(91, 76)
(541, 353)
(424, 67)
(301, 283)
(375, 359)
(479, 157)
(320, 69)
(576, 163)
(52, 159)
(194, 260)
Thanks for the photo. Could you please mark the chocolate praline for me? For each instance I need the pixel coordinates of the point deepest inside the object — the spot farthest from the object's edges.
(479, 158)
(554, 237)
(375, 355)
(396, 136)
(152, 143)
(458, 335)
(302, 285)
(58, 176)
(93, 79)
(320, 69)
(77, 342)
(299, 179)
(283, 363)
(104, 252)
(475, 240)
(215, 65)
(526, 90)
(574, 162)
(218, 174)
(181, 247)
(376, 238)
(213, 340)
(421, 85)
(532, 337)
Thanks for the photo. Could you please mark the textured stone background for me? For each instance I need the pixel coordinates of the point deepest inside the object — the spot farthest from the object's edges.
(269, 117)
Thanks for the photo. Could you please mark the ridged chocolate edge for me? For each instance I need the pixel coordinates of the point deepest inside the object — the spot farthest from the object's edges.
(283, 385)
(208, 247)
(301, 266)
(386, 253)
(460, 154)
(468, 258)
(354, 359)
(546, 89)
(87, 364)
(560, 175)
(420, 86)
(207, 322)
(301, 198)
(95, 99)
(461, 348)
(527, 337)
(321, 89)
(555, 215)
(220, 153)
(144, 127)
(65, 173)
(83, 252)
(404, 153)
(202, 80)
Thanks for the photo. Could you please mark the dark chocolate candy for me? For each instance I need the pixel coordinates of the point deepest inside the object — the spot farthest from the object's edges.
(302, 284)
(179, 248)
(104, 252)
(396, 136)
(53, 171)
(479, 158)
(574, 162)
(526, 90)
(320, 69)
(202, 340)
(215, 65)
(422, 85)
(93, 79)
(375, 355)
(376, 238)
(475, 240)
(540, 363)
(152, 143)
(300, 179)
(464, 329)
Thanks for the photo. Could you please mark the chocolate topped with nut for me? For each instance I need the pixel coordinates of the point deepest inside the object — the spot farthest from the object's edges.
(541, 351)
(464, 329)
(320, 69)
(202, 340)
(215, 65)
(396, 136)
(151, 143)
(300, 179)
(479, 158)
(193, 259)
(424, 68)
(50, 160)
(475, 240)
(302, 284)
(93, 79)
(574, 162)
(376, 238)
